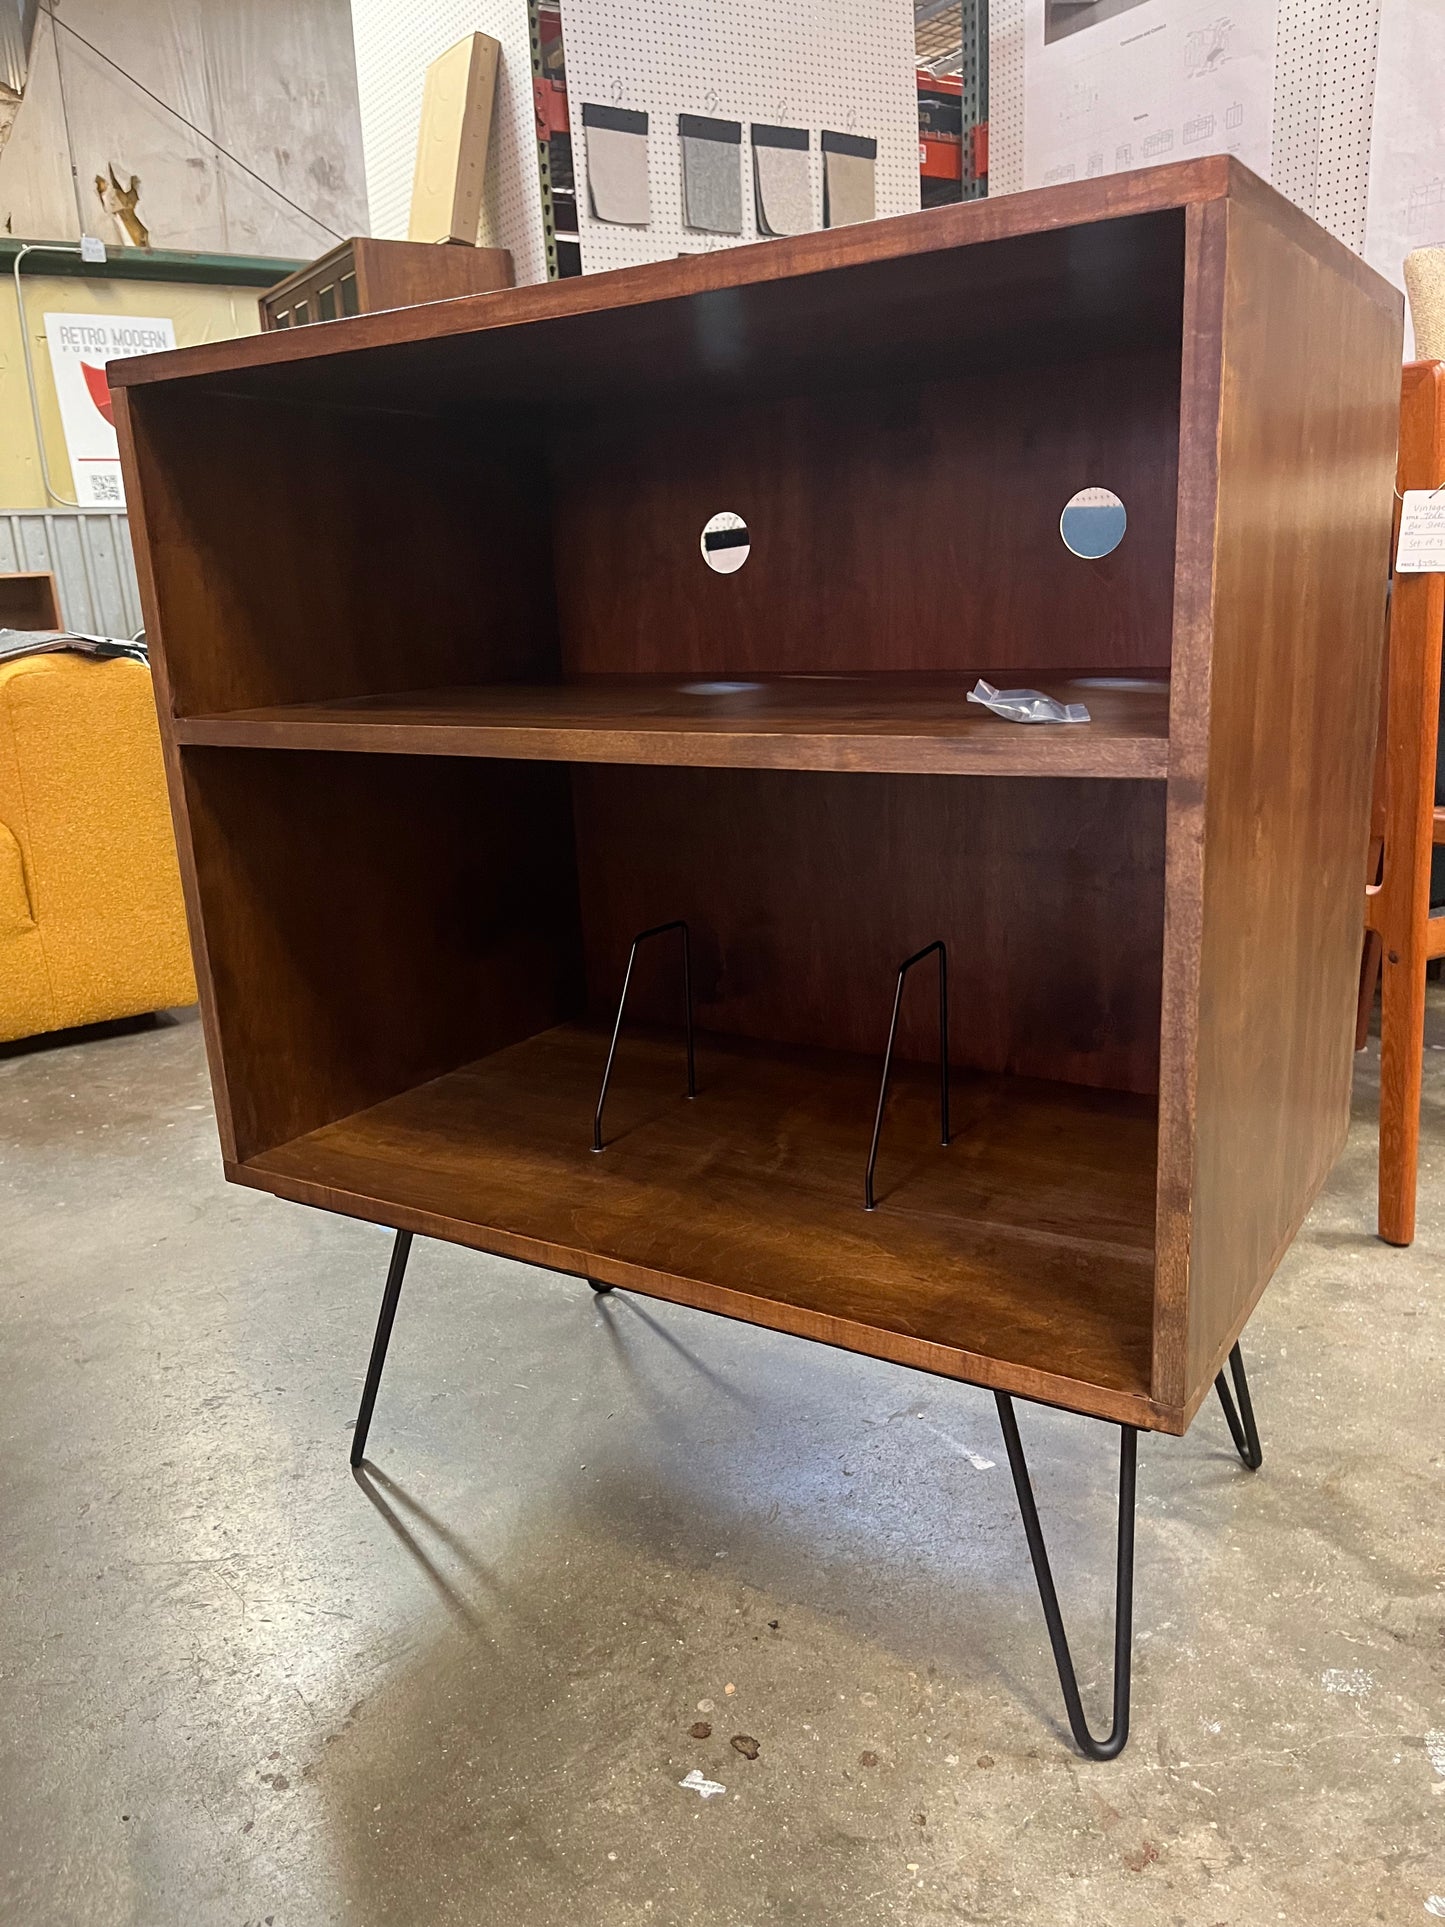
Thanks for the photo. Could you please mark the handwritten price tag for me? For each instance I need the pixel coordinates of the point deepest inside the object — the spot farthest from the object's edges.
(1422, 533)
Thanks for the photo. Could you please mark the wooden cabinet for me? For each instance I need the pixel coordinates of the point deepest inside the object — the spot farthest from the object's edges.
(454, 707)
(363, 276)
(29, 600)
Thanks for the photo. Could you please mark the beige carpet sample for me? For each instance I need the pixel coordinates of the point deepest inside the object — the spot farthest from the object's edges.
(617, 182)
(849, 164)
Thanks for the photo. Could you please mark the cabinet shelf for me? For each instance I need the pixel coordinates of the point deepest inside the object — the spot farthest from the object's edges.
(1021, 1256)
(889, 723)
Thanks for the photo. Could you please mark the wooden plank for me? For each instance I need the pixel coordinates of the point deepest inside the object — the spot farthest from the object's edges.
(886, 723)
(1309, 402)
(1019, 1256)
(145, 483)
(1400, 908)
(1194, 595)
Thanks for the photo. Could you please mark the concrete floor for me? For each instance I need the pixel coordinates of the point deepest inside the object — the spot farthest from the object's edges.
(237, 1686)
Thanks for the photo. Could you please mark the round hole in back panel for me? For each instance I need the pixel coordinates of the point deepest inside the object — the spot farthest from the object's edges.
(725, 542)
(1093, 523)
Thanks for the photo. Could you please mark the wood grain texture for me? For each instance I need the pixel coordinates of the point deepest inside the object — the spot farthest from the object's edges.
(806, 892)
(290, 560)
(887, 723)
(1190, 667)
(1309, 406)
(905, 525)
(400, 274)
(1398, 911)
(388, 274)
(1021, 1256)
(136, 463)
(370, 924)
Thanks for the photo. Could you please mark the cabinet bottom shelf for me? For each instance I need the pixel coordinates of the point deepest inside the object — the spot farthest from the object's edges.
(1020, 1257)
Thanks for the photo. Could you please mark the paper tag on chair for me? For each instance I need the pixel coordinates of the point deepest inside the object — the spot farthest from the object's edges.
(1422, 532)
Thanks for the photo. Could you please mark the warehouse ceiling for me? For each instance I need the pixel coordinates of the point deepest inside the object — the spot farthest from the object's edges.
(938, 35)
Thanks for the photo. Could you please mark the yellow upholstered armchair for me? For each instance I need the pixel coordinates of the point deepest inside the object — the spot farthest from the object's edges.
(91, 920)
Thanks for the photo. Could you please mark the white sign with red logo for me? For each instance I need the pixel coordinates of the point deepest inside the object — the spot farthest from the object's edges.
(80, 346)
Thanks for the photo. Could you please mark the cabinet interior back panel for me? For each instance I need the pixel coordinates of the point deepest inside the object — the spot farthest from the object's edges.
(909, 526)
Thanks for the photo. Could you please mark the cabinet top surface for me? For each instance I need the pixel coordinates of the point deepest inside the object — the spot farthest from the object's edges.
(1080, 220)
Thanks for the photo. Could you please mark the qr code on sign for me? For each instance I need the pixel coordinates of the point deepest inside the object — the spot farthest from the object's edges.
(106, 488)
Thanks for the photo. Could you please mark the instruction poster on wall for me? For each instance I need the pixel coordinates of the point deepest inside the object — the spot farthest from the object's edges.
(1111, 85)
(80, 346)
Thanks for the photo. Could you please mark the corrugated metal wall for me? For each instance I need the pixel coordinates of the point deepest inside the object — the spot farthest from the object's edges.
(89, 552)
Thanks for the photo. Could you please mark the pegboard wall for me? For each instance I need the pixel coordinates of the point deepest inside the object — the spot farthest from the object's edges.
(1324, 100)
(843, 65)
(393, 46)
(1005, 96)
(1324, 94)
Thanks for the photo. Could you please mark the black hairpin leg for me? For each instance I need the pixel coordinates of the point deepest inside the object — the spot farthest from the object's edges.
(869, 1202)
(657, 930)
(1242, 1428)
(1113, 1745)
(395, 1272)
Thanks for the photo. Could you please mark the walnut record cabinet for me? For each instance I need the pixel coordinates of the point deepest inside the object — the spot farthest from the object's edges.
(455, 709)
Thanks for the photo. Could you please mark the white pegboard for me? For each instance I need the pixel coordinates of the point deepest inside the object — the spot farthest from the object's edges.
(844, 65)
(1005, 96)
(1324, 91)
(1324, 95)
(393, 46)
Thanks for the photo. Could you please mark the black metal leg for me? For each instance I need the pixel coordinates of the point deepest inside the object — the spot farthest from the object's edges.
(601, 1290)
(1242, 1428)
(1110, 1747)
(395, 1272)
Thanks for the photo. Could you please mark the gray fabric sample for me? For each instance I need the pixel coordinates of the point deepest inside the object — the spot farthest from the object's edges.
(712, 184)
(849, 163)
(617, 183)
(782, 191)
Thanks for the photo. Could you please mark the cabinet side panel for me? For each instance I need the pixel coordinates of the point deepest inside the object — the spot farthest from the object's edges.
(300, 552)
(1205, 237)
(1309, 411)
(139, 511)
(373, 922)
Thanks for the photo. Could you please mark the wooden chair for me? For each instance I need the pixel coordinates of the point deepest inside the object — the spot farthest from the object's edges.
(1401, 936)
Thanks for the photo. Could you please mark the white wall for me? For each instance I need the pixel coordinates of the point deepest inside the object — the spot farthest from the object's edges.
(273, 80)
(1290, 87)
